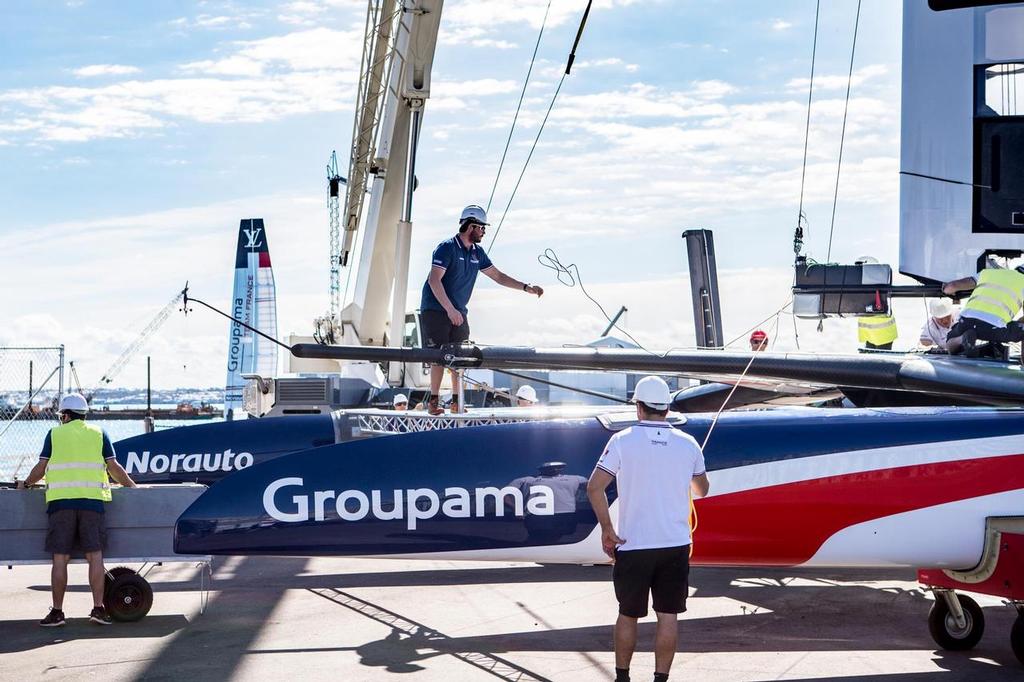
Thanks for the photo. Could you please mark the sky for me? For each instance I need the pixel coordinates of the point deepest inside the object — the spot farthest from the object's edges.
(135, 136)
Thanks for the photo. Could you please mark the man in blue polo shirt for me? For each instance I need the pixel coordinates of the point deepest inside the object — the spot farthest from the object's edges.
(446, 293)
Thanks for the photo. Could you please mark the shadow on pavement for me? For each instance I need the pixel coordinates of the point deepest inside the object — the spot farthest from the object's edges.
(212, 646)
(26, 635)
(774, 612)
(415, 578)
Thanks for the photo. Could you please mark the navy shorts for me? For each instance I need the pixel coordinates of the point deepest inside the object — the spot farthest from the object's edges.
(75, 530)
(662, 573)
(438, 329)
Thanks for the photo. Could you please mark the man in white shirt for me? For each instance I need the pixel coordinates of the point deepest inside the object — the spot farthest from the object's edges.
(942, 317)
(655, 468)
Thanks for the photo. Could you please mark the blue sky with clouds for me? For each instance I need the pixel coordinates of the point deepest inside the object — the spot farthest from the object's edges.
(135, 136)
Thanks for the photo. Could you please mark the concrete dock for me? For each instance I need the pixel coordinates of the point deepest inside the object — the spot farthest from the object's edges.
(360, 619)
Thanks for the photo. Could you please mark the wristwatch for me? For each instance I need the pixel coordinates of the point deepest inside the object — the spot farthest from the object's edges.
(525, 286)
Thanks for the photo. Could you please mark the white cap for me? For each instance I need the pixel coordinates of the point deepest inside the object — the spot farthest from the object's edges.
(526, 392)
(74, 402)
(866, 260)
(940, 307)
(653, 392)
(474, 212)
(399, 399)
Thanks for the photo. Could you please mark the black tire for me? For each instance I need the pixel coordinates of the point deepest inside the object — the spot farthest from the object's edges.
(115, 573)
(1017, 637)
(128, 598)
(944, 630)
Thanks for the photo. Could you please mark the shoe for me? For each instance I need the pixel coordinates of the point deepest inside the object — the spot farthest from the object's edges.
(453, 404)
(969, 339)
(54, 619)
(100, 616)
(433, 406)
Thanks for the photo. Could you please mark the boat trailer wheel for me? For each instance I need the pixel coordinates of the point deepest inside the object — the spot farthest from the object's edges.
(942, 622)
(127, 596)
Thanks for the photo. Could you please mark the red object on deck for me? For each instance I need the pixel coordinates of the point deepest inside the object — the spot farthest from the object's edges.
(1006, 581)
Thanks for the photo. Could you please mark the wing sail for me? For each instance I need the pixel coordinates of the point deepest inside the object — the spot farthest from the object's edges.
(254, 302)
(985, 381)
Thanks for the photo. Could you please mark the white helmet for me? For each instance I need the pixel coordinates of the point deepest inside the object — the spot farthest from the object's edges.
(475, 213)
(940, 307)
(527, 393)
(653, 392)
(74, 402)
(399, 399)
(866, 260)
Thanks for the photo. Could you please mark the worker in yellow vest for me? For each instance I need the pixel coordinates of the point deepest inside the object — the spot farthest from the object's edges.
(876, 332)
(988, 315)
(76, 460)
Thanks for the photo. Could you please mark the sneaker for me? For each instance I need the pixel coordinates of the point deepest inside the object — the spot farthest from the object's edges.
(433, 406)
(100, 616)
(969, 339)
(54, 619)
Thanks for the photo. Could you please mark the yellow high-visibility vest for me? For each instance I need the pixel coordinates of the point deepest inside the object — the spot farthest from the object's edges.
(76, 470)
(997, 298)
(877, 330)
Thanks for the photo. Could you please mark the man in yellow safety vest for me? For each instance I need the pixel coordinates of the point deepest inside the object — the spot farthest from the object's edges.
(988, 315)
(876, 332)
(76, 459)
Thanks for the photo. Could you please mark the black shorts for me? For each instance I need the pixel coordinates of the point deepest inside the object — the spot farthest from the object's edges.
(75, 530)
(663, 573)
(438, 330)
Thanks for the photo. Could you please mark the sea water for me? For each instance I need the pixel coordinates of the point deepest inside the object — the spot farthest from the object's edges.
(21, 443)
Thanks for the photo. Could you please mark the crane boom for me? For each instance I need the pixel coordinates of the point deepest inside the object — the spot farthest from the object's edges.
(379, 51)
(395, 84)
(140, 340)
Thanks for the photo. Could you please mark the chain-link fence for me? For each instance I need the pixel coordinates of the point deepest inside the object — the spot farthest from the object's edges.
(31, 382)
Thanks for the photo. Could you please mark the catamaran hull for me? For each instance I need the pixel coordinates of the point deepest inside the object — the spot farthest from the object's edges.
(867, 488)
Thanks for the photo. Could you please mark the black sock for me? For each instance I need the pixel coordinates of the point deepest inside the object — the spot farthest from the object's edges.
(660, 677)
(622, 675)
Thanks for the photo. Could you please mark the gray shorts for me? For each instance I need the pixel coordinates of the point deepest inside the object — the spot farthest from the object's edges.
(75, 530)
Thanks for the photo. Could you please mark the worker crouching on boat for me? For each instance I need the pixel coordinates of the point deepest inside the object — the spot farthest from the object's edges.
(988, 315)
(76, 460)
(444, 303)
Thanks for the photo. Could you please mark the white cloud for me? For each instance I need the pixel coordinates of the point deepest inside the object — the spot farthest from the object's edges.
(465, 20)
(781, 25)
(212, 22)
(311, 12)
(105, 70)
(838, 82)
(496, 44)
(262, 80)
(235, 65)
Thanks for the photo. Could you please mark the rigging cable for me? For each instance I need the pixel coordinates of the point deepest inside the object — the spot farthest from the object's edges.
(569, 275)
(952, 182)
(801, 219)
(519, 106)
(189, 299)
(842, 135)
(568, 68)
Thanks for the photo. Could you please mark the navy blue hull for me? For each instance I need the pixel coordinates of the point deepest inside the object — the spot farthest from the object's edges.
(472, 488)
(207, 453)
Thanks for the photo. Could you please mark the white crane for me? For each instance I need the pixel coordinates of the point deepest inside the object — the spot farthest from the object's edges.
(394, 84)
(133, 348)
